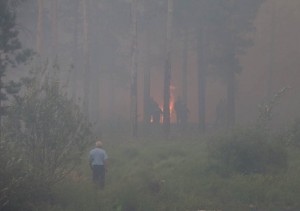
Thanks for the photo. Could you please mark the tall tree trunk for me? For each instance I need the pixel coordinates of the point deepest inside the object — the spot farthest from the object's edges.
(231, 98)
(39, 35)
(230, 107)
(95, 70)
(86, 49)
(167, 71)
(184, 66)
(133, 93)
(54, 27)
(75, 53)
(1, 93)
(147, 87)
(111, 99)
(272, 52)
(202, 65)
(147, 68)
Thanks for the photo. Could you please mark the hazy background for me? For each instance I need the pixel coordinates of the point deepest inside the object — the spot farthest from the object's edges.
(275, 48)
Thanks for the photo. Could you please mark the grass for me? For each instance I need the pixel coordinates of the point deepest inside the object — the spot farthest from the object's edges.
(175, 174)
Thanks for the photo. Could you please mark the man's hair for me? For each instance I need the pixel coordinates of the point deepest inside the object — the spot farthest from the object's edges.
(99, 144)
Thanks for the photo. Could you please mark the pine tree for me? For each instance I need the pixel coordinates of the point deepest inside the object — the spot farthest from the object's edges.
(11, 51)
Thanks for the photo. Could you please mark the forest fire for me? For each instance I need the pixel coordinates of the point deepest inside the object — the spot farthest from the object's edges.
(171, 106)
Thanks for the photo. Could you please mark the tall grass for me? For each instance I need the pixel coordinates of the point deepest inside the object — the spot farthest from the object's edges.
(176, 174)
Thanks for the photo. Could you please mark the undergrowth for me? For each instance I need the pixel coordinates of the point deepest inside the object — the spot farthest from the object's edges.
(184, 175)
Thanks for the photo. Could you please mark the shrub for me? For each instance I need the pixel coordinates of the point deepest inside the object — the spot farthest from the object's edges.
(10, 173)
(247, 151)
(294, 133)
(48, 133)
(18, 189)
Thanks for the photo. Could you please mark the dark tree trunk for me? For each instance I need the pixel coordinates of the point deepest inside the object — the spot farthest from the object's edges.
(133, 93)
(39, 33)
(54, 27)
(201, 81)
(272, 54)
(231, 98)
(111, 98)
(147, 87)
(184, 67)
(167, 71)
(166, 107)
(86, 82)
(75, 53)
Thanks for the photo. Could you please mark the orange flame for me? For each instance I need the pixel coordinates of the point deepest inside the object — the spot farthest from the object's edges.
(172, 102)
(171, 105)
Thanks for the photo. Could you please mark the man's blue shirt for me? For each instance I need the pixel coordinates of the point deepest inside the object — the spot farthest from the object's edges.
(97, 156)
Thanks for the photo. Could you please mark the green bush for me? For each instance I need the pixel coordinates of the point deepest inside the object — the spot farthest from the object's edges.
(10, 173)
(47, 135)
(294, 134)
(174, 175)
(18, 189)
(247, 151)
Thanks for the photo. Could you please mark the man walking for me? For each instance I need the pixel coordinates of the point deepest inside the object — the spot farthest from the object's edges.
(98, 163)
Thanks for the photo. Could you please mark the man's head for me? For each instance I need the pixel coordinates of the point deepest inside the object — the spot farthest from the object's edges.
(99, 144)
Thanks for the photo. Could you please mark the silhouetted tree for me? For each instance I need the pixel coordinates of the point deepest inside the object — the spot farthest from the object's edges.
(86, 54)
(11, 52)
(151, 25)
(39, 28)
(273, 26)
(197, 18)
(54, 27)
(133, 65)
(235, 22)
(167, 71)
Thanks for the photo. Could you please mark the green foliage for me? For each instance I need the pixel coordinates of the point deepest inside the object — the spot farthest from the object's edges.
(178, 174)
(10, 47)
(266, 110)
(10, 172)
(46, 134)
(18, 187)
(292, 135)
(51, 129)
(248, 151)
(11, 51)
(150, 174)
